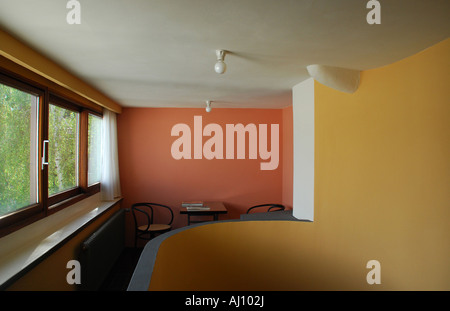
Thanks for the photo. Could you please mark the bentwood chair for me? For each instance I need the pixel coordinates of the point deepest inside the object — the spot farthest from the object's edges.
(270, 208)
(148, 229)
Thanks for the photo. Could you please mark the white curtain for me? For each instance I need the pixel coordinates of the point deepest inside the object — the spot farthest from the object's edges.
(110, 182)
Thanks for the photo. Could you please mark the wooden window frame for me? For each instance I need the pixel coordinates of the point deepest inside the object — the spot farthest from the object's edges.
(35, 211)
(49, 205)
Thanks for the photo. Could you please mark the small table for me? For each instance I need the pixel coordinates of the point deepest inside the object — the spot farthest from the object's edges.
(215, 208)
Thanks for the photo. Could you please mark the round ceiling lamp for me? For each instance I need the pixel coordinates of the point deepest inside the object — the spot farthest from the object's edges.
(208, 106)
(220, 67)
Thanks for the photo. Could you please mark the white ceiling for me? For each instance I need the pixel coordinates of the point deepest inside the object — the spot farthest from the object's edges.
(161, 53)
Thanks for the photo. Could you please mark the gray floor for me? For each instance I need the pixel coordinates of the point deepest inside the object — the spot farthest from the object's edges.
(121, 273)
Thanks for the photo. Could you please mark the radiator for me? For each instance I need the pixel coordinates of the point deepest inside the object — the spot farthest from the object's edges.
(101, 250)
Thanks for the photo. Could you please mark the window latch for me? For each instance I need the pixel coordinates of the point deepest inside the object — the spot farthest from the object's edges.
(44, 153)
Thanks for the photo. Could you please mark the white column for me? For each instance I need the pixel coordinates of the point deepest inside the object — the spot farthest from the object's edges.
(303, 115)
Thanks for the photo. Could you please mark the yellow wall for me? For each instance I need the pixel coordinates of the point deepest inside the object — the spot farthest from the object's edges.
(383, 171)
(256, 255)
(382, 181)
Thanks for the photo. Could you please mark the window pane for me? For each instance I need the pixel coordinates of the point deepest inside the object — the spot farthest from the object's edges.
(63, 150)
(94, 149)
(18, 149)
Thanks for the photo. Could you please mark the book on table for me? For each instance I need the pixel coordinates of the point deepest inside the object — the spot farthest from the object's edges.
(192, 203)
(197, 208)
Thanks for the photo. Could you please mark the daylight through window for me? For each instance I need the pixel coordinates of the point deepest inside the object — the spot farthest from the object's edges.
(18, 151)
(50, 151)
(63, 150)
(94, 149)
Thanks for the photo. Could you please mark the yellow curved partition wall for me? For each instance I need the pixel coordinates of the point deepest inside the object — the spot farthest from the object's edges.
(253, 255)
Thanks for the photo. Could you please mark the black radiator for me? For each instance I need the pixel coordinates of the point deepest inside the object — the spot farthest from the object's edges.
(101, 250)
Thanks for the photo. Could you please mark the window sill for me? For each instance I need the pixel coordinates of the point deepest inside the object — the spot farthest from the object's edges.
(23, 249)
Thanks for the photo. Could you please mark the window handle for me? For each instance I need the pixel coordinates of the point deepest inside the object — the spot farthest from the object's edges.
(44, 153)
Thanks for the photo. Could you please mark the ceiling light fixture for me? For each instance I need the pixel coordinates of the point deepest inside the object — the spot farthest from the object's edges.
(220, 66)
(208, 106)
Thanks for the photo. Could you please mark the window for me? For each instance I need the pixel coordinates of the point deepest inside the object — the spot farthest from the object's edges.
(94, 149)
(18, 152)
(63, 139)
(50, 152)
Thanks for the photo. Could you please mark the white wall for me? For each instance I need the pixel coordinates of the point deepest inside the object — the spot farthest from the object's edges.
(303, 115)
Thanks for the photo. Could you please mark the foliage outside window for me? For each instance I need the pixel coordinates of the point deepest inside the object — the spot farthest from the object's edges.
(36, 127)
(18, 149)
(63, 150)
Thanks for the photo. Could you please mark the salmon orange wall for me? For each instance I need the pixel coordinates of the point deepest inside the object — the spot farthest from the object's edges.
(148, 171)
